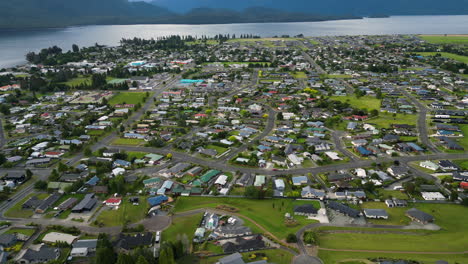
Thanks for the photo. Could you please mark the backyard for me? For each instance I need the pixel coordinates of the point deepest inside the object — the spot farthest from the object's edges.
(127, 98)
(385, 120)
(267, 213)
(452, 237)
(128, 142)
(16, 211)
(126, 213)
(367, 102)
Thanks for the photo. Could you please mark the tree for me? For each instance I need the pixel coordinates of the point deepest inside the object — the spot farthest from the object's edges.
(291, 238)
(2, 158)
(40, 185)
(310, 237)
(105, 252)
(124, 259)
(169, 156)
(105, 256)
(279, 116)
(75, 48)
(409, 187)
(166, 255)
(62, 167)
(88, 152)
(142, 260)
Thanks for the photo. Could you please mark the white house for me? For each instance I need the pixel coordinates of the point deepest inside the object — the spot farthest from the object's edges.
(432, 196)
(429, 165)
(118, 171)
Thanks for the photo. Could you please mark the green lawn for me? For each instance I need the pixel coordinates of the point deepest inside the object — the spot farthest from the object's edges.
(267, 213)
(182, 225)
(78, 81)
(24, 231)
(134, 154)
(367, 102)
(127, 141)
(384, 120)
(96, 132)
(16, 210)
(441, 39)
(394, 194)
(276, 256)
(127, 98)
(299, 75)
(463, 164)
(333, 257)
(219, 149)
(126, 214)
(452, 56)
(453, 236)
(464, 141)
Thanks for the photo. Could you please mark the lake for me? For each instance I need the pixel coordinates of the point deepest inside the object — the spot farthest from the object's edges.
(15, 44)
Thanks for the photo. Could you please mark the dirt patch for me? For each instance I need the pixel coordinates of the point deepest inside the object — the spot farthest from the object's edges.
(227, 208)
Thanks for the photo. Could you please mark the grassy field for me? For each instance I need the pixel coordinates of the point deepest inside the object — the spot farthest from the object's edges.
(78, 81)
(441, 39)
(394, 194)
(134, 154)
(16, 210)
(452, 56)
(463, 164)
(127, 98)
(267, 213)
(367, 102)
(333, 257)
(127, 142)
(464, 141)
(219, 149)
(384, 120)
(276, 256)
(182, 225)
(126, 214)
(299, 75)
(25, 231)
(452, 237)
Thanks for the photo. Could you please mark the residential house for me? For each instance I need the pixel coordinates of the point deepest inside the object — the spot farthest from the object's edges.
(419, 216)
(305, 210)
(376, 213)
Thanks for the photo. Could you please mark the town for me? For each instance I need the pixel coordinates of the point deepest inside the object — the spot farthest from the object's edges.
(232, 150)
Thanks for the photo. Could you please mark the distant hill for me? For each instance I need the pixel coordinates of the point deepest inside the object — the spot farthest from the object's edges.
(332, 7)
(55, 13)
(60, 13)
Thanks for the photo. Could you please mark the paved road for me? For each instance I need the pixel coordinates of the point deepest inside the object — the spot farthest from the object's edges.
(268, 128)
(2, 132)
(322, 169)
(422, 122)
(105, 142)
(41, 174)
(340, 146)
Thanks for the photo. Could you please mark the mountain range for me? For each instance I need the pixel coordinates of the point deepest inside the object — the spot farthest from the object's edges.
(331, 7)
(61, 13)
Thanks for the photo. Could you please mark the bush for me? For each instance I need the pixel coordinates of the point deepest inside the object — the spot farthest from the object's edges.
(291, 238)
